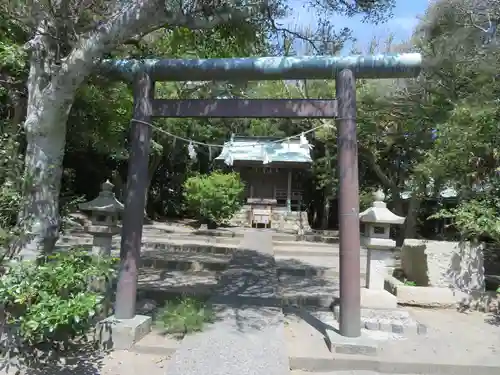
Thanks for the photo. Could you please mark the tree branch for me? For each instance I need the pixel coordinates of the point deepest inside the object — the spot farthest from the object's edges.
(473, 23)
(139, 17)
(285, 30)
(384, 179)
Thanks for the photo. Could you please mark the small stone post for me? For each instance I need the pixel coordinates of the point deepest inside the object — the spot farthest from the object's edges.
(104, 214)
(377, 220)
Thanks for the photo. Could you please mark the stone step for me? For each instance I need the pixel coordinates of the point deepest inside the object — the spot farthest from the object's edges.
(316, 291)
(161, 285)
(222, 232)
(320, 238)
(283, 236)
(303, 244)
(151, 238)
(290, 252)
(307, 248)
(327, 233)
(312, 265)
(184, 261)
(195, 245)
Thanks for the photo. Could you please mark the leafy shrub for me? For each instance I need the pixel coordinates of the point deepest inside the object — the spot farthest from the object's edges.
(215, 197)
(54, 300)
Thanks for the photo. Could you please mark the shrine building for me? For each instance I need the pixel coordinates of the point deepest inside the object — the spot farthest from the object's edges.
(273, 171)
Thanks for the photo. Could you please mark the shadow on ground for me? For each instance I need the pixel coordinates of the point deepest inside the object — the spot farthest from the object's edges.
(493, 319)
(242, 278)
(76, 359)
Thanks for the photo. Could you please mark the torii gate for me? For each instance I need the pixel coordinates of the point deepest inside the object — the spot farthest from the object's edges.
(345, 70)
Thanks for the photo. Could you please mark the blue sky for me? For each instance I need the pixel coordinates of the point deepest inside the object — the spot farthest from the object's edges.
(401, 25)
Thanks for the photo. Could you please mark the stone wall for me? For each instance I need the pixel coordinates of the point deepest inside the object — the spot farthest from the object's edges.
(281, 220)
(240, 219)
(294, 221)
(456, 265)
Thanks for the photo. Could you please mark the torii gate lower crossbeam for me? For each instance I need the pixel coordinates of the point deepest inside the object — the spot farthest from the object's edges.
(343, 69)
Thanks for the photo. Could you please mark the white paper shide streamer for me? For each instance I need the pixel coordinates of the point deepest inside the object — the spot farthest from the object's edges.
(304, 143)
(228, 158)
(266, 159)
(228, 153)
(191, 151)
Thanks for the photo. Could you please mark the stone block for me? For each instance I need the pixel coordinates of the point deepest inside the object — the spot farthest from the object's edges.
(396, 321)
(445, 264)
(361, 345)
(397, 327)
(371, 324)
(421, 329)
(122, 334)
(378, 299)
(429, 296)
(377, 262)
(385, 325)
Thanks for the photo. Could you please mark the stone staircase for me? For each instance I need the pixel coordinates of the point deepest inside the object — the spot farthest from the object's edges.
(182, 261)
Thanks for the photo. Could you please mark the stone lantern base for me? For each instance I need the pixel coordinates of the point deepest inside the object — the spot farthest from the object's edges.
(102, 238)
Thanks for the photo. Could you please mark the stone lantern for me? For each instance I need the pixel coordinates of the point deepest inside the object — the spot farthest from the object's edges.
(105, 213)
(377, 222)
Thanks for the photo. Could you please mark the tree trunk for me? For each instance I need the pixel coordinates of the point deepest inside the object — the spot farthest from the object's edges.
(326, 216)
(397, 203)
(410, 230)
(410, 226)
(45, 129)
(51, 92)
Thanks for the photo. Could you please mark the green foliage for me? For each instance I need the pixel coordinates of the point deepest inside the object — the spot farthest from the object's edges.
(184, 316)
(54, 300)
(365, 199)
(475, 218)
(461, 79)
(215, 197)
(12, 56)
(11, 183)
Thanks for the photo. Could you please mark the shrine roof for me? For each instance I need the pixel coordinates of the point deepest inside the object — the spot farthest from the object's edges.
(253, 149)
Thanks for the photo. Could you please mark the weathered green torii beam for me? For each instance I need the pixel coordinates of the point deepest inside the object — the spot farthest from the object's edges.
(143, 73)
(267, 68)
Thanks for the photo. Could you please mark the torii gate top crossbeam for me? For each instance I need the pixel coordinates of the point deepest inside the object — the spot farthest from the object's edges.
(267, 68)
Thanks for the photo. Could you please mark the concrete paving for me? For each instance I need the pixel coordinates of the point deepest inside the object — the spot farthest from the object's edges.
(455, 344)
(255, 337)
(244, 339)
(347, 372)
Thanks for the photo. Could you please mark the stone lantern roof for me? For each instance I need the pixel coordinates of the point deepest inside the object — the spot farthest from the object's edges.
(379, 213)
(105, 202)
